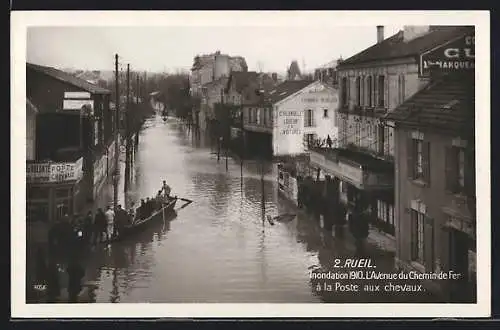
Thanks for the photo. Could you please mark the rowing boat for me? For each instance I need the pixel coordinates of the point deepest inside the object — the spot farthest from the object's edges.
(167, 209)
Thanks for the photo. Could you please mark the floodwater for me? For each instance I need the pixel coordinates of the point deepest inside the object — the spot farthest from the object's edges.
(219, 248)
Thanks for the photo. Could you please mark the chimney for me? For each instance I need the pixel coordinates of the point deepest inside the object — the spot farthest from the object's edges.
(380, 33)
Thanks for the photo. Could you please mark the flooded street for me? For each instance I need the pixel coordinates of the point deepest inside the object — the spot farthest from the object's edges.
(218, 249)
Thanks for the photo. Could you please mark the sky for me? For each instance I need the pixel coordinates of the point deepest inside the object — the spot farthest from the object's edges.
(169, 48)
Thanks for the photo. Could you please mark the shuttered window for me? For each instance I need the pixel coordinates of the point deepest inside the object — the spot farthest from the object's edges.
(381, 91)
(344, 91)
(417, 231)
(418, 160)
(358, 91)
(455, 169)
(370, 91)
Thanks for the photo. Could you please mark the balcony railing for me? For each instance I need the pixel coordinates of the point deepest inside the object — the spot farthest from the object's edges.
(54, 172)
(351, 169)
(362, 110)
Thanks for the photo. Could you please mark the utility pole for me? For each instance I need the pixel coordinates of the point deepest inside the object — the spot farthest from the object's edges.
(116, 174)
(127, 132)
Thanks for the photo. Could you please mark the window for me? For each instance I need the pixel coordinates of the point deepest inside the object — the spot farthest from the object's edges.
(96, 132)
(369, 134)
(309, 118)
(257, 112)
(344, 92)
(370, 91)
(418, 159)
(358, 91)
(357, 134)
(381, 91)
(325, 113)
(385, 212)
(401, 88)
(309, 140)
(455, 169)
(417, 242)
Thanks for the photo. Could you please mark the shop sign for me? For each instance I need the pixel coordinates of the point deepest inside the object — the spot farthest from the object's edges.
(457, 55)
(54, 172)
(288, 133)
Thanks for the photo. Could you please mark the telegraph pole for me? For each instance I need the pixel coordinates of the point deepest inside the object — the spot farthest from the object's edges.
(127, 132)
(116, 174)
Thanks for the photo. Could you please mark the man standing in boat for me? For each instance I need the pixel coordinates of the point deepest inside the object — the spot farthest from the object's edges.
(110, 219)
(166, 189)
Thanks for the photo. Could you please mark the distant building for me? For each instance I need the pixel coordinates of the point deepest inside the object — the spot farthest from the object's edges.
(294, 113)
(328, 73)
(209, 68)
(293, 72)
(212, 93)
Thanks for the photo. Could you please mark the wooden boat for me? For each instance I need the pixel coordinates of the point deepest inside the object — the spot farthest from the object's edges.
(166, 210)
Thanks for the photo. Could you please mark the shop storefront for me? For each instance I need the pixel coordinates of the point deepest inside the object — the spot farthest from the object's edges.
(53, 189)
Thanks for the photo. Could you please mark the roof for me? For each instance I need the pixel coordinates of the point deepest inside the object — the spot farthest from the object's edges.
(68, 78)
(286, 89)
(446, 104)
(242, 79)
(396, 47)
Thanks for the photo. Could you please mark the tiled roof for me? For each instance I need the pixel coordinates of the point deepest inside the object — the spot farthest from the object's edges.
(286, 89)
(396, 47)
(446, 104)
(68, 78)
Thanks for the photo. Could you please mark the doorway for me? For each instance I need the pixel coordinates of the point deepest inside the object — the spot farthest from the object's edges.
(459, 263)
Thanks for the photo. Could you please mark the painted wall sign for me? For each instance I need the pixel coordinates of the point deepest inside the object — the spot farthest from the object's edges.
(77, 95)
(287, 132)
(77, 104)
(54, 172)
(455, 56)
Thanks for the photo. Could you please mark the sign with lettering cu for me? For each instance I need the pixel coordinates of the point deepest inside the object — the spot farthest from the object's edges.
(455, 56)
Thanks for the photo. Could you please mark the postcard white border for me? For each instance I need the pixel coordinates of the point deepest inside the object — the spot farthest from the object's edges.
(21, 20)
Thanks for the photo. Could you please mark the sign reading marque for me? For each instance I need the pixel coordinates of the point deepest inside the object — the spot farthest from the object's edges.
(288, 132)
(455, 56)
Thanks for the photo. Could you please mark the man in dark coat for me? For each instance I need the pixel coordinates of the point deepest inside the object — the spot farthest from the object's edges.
(100, 225)
(88, 228)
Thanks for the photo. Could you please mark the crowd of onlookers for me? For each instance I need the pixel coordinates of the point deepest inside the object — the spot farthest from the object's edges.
(69, 236)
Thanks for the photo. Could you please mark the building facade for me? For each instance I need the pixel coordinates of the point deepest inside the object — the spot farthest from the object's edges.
(207, 69)
(435, 172)
(373, 83)
(74, 130)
